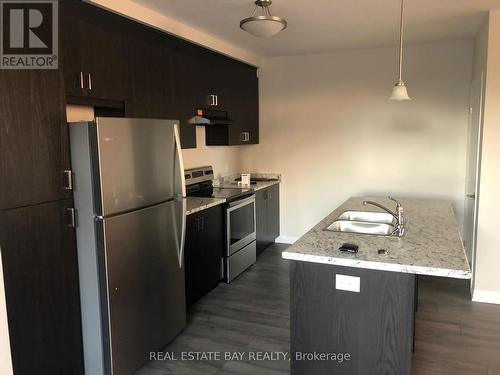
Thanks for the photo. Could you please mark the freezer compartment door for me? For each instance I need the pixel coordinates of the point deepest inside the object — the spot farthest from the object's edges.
(138, 163)
(145, 282)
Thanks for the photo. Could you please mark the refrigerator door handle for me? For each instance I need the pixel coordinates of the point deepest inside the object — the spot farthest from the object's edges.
(180, 194)
(179, 181)
(182, 239)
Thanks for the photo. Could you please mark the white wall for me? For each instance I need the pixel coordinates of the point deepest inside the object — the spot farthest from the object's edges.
(487, 276)
(327, 126)
(480, 51)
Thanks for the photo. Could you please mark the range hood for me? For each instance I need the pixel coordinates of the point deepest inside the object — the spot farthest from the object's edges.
(210, 117)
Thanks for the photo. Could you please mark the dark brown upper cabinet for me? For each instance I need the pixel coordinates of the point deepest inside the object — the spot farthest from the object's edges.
(190, 87)
(216, 92)
(33, 138)
(93, 50)
(157, 79)
(245, 103)
(149, 68)
(238, 85)
(187, 77)
(112, 61)
(202, 78)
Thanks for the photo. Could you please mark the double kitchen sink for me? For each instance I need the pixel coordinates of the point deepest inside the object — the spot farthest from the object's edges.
(364, 222)
(369, 222)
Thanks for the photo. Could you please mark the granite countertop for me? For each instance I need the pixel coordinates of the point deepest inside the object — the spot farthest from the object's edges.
(259, 185)
(196, 204)
(431, 246)
(230, 181)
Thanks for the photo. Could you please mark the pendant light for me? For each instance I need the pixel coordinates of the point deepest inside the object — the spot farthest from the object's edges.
(264, 25)
(399, 92)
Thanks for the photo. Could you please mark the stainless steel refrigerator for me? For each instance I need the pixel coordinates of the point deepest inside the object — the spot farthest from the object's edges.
(129, 192)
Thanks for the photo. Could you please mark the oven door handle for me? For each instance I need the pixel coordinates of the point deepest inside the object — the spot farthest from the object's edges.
(252, 235)
(240, 203)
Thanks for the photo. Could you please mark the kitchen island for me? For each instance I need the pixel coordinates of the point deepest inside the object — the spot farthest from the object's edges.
(359, 307)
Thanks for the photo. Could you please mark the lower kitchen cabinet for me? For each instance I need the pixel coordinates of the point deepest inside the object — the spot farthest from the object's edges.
(267, 207)
(41, 286)
(203, 252)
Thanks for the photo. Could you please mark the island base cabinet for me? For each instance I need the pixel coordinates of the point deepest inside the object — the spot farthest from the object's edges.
(365, 332)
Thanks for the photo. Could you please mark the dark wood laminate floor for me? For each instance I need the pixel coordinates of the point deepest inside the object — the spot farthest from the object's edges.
(453, 335)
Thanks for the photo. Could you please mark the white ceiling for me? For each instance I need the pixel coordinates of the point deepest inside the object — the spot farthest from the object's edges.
(326, 25)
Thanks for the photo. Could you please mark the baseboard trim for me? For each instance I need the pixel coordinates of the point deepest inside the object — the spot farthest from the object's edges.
(286, 239)
(486, 296)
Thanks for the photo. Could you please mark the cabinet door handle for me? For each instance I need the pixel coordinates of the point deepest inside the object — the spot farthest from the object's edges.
(81, 80)
(71, 212)
(213, 100)
(200, 221)
(90, 81)
(68, 183)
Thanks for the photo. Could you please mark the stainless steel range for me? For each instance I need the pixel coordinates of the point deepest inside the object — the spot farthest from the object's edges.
(240, 249)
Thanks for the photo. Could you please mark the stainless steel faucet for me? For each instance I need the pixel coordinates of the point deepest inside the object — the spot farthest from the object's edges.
(398, 215)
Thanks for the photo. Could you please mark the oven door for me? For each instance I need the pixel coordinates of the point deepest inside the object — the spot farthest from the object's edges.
(240, 224)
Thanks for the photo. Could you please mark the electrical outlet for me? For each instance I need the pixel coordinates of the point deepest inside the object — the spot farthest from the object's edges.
(348, 283)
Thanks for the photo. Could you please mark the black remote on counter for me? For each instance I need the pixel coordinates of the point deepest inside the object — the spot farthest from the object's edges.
(349, 247)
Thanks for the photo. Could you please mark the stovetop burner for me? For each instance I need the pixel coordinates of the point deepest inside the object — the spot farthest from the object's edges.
(199, 183)
(214, 192)
(230, 193)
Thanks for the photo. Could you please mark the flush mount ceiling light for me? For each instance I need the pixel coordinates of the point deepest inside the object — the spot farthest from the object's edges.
(399, 92)
(264, 25)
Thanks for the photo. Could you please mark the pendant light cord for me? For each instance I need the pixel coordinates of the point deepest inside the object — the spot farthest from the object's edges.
(401, 43)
